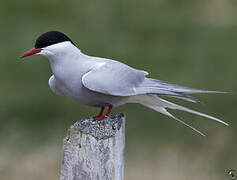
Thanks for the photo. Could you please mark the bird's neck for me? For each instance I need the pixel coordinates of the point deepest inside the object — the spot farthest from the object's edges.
(68, 63)
(65, 55)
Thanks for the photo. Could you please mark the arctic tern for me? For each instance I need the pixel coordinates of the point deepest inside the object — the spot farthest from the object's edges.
(101, 82)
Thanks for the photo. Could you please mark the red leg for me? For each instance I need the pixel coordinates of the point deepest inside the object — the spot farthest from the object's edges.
(101, 111)
(100, 116)
(109, 110)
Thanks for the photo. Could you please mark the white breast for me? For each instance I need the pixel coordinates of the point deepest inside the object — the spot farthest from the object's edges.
(54, 87)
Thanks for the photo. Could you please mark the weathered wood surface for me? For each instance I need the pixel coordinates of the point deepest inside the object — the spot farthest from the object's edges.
(94, 150)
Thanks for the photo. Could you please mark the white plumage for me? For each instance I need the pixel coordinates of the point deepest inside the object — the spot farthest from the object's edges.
(101, 82)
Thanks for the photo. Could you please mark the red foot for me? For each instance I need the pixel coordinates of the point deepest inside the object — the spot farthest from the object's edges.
(101, 116)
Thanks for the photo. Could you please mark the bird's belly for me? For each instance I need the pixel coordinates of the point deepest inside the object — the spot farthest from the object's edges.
(77, 92)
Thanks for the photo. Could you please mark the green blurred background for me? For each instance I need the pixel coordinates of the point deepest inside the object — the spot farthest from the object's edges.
(191, 43)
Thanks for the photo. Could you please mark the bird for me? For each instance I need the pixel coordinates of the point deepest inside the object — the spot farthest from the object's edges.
(101, 82)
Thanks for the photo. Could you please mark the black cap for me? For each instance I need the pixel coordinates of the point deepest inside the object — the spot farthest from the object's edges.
(50, 38)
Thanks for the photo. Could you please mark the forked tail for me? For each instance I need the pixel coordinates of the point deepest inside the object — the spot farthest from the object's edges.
(158, 104)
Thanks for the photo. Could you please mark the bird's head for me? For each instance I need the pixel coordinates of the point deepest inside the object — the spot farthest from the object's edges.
(52, 43)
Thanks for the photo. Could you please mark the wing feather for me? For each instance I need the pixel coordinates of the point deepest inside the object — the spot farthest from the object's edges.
(114, 79)
(118, 79)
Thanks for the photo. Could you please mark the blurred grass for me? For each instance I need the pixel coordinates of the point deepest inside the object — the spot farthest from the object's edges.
(191, 43)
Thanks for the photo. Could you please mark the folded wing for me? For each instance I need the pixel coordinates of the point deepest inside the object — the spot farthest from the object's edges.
(115, 79)
(118, 79)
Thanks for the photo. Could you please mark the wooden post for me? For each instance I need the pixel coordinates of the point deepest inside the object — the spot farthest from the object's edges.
(94, 150)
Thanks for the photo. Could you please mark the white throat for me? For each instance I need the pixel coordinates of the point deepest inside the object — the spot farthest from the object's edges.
(65, 59)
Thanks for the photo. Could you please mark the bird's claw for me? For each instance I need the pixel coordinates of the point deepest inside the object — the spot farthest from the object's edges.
(100, 117)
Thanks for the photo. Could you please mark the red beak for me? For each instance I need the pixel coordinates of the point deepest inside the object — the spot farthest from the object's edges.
(30, 52)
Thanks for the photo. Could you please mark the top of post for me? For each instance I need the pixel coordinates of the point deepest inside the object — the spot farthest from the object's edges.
(99, 129)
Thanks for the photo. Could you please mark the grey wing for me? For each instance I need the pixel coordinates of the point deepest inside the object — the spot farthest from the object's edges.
(115, 79)
(155, 86)
(121, 80)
